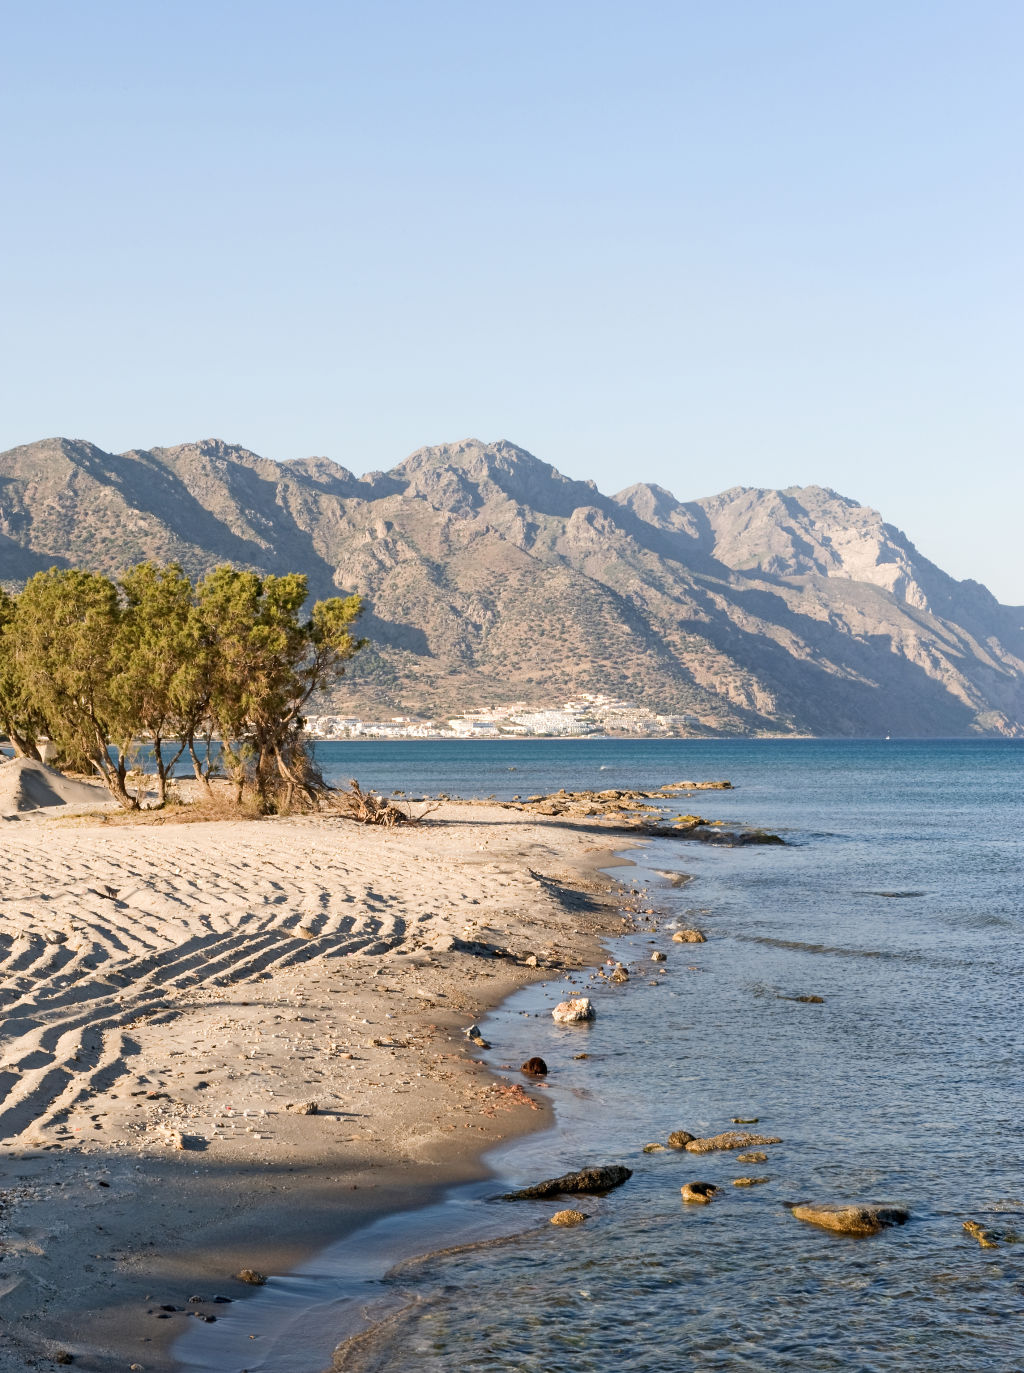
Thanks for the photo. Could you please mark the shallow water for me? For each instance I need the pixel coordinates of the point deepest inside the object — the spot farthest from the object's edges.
(899, 901)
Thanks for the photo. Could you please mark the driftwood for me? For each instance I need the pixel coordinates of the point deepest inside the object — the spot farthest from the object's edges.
(375, 810)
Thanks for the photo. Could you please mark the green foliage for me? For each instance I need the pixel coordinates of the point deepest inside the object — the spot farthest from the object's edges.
(103, 668)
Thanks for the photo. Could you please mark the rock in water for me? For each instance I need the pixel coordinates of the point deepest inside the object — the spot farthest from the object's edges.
(251, 1276)
(534, 1067)
(689, 937)
(679, 1139)
(571, 1012)
(850, 1220)
(657, 956)
(731, 1139)
(568, 1218)
(698, 1192)
(586, 1180)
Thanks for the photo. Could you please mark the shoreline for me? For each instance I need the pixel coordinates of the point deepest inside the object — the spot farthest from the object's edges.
(368, 971)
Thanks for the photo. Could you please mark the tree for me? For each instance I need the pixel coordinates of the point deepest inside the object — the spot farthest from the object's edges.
(18, 720)
(65, 634)
(267, 662)
(162, 663)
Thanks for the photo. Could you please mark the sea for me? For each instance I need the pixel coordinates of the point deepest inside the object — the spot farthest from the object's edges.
(897, 901)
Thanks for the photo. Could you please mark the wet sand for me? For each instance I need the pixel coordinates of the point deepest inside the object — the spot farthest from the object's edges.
(169, 985)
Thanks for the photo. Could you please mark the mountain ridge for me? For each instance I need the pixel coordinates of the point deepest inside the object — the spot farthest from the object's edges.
(491, 576)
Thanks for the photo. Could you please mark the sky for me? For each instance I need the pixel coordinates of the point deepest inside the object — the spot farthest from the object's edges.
(753, 242)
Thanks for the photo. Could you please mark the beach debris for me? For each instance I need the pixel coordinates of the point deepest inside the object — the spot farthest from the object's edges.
(745, 1120)
(534, 1067)
(657, 956)
(303, 1108)
(730, 1139)
(849, 1220)
(679, 1139)
(571, 1012)
(699, 1193)
(585, 1180)
(252, 1276)
(689, 937)
(749, 1182)
(568, 1218)
(756, 1156)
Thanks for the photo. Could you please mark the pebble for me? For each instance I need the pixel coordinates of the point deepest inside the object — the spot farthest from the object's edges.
(657, 956)
(251, 1276)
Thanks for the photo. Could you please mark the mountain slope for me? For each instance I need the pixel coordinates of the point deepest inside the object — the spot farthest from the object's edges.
(492, 577)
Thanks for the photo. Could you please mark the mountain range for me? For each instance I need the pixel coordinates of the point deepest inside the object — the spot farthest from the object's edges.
(491, 577)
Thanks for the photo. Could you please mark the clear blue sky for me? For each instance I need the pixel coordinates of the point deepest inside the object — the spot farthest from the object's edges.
(757, 242)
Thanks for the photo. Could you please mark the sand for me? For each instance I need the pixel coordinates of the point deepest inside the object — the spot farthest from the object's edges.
(168, 985)
(26, 785)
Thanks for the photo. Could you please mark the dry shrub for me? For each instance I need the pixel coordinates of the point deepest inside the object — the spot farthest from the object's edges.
(368, 809)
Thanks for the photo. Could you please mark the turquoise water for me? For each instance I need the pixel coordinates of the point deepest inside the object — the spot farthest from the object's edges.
(899, 899)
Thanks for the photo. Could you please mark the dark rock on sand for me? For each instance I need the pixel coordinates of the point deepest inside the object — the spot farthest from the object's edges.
(849, 1220)
(303, 1108)
(731, 1139)
(534, 1067)
(679, 1139)
(700, 1193)
(586, 1180)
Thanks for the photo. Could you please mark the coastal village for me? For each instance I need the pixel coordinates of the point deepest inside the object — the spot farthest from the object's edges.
(589, 713)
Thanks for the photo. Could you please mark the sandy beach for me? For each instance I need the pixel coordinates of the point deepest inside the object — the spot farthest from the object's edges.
(176, 996)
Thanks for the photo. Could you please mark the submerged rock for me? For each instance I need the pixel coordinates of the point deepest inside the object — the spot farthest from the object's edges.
(585, 1180)
(756, 1156)
(654, 1148)
(568, 1218)
(571, 1012)
(730, 1139)
(699, 1193)
(850, 1220)
(749, 1182)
